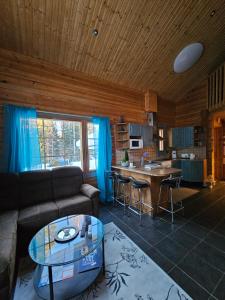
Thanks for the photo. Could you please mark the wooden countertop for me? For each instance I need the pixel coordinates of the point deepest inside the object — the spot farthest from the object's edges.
(160, 172)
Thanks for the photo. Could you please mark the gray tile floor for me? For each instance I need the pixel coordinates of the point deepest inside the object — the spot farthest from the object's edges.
(192, 250)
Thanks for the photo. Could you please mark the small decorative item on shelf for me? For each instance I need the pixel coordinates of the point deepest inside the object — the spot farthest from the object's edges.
(125, 161)
(121, 119)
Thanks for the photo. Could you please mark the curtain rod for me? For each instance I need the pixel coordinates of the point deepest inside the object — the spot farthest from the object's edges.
(60, 114)
(63, 114)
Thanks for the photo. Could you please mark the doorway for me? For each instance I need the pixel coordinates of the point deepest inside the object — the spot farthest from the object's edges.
(219, 149)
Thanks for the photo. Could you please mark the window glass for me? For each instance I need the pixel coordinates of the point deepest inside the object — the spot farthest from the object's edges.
(92, 133)
(60, 143)
(161, 141)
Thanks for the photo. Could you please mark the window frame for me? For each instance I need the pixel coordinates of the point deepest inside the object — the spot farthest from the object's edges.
(161, 133)
(84, 138)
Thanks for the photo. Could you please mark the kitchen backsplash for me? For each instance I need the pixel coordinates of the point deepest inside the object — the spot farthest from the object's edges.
(200, 152)
(135, 155)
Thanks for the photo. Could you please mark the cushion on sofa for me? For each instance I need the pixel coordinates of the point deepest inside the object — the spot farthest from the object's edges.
(66, 181)
(9, 191)
(36, 216)
(78, 204)
(35, 187)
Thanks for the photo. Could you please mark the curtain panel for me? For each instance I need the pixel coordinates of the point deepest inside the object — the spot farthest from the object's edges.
(104, 156)
(21, 149)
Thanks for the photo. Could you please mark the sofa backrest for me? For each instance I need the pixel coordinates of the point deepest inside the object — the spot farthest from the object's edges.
(35, 187)
(66, 181)
(9, 191)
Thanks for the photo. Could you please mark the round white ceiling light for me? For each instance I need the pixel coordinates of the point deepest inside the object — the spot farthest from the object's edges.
(187, 57)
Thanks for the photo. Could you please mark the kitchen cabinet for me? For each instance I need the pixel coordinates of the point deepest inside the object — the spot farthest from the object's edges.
(192, 170)
(147, 135)
(183, 137)
(135, 129)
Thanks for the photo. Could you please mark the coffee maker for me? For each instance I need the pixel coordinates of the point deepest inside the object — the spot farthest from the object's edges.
(174, 154)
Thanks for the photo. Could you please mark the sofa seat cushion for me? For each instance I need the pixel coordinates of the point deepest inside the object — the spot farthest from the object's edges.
(7, 261)
(78, 204)
(37, 216)
(8, 223)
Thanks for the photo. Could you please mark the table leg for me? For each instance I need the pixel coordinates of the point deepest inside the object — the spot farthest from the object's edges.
(103, 257)
(50, 283)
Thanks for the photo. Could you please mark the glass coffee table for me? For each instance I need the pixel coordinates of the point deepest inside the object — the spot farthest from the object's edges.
(67, 261)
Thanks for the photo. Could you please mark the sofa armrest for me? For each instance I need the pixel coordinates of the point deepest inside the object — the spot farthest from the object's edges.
(92, 193)
(89, 190)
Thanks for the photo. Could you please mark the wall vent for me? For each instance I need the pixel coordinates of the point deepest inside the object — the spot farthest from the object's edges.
(216, 89)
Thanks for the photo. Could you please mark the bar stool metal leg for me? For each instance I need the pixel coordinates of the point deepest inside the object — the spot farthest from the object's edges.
(171, 204)
(140, 201)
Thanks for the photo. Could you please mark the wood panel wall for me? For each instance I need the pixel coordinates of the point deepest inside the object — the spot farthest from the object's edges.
(189, 109)
(47, 87)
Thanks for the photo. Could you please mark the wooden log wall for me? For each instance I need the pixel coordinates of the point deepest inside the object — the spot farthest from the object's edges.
(51, 88)
(189, 109)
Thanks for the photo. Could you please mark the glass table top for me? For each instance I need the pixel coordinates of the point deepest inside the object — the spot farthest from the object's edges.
(46, 251)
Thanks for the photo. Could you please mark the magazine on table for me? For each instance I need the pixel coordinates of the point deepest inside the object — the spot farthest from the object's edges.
(90, 261)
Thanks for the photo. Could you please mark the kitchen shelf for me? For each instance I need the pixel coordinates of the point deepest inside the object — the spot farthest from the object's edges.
(121, 136)
(121, 141)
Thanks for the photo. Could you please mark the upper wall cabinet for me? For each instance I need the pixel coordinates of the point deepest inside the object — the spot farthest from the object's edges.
(147, 135)
(144, 131)
(183, 137)
(135, 129)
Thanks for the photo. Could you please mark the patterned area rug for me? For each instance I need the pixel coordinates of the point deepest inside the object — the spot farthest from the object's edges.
(130, 274)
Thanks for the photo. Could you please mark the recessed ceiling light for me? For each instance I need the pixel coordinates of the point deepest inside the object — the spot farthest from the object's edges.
(187, 57)
(94, 32)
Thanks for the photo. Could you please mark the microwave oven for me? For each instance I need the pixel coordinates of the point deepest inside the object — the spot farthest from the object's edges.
(136, 143)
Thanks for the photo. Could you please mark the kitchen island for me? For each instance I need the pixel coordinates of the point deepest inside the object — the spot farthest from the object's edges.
(154, 178)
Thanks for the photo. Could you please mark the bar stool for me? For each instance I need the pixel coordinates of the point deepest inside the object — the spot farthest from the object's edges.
(140, 186)
(111, 176)
(122, 184)
(171, 184)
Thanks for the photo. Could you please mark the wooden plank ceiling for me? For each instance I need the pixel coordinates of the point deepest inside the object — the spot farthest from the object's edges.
(137, 42)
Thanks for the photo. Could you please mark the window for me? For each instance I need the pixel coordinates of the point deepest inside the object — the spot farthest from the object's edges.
(60, 143)
(161, 139)
(92, 130)
(72, 143)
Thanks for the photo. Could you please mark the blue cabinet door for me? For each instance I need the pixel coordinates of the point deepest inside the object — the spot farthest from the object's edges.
(196, 171)
(147, 135)
(135, 129)
(176, 164)
(192, 170)
(189, 137)
(182, 137)
(175, 137)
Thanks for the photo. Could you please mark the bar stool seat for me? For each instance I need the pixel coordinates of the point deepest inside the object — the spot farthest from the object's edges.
(122, 179)
(140, 186)
(122, 197)
(175, 198)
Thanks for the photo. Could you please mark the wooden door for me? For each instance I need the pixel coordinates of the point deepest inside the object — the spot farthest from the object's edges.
(223, 150)
(218, 153)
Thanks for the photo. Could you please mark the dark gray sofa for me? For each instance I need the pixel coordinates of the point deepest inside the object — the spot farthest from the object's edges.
(30, 200)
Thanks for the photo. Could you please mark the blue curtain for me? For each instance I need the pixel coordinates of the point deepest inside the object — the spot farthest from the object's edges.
(21, 150)
(104, 156)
